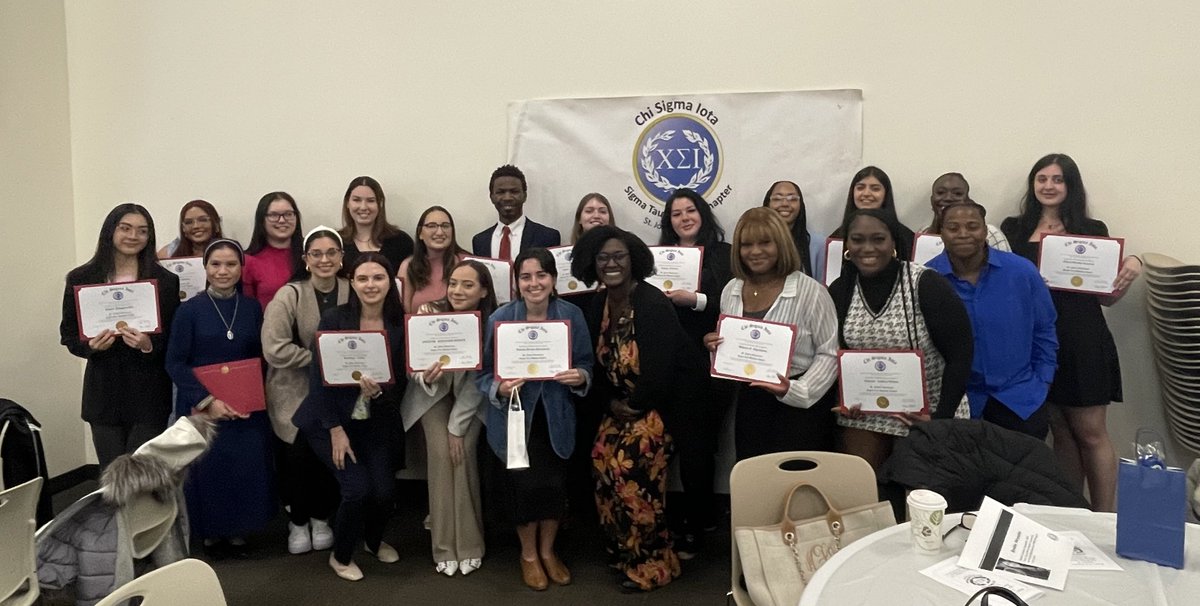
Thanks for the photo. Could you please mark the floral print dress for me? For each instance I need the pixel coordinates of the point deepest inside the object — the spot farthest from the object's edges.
(629, 462)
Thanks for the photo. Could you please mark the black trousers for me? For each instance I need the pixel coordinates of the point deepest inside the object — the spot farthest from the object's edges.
(1037, 425)
(306, 486)
(367, 485)
(764, 425)
(112, 441)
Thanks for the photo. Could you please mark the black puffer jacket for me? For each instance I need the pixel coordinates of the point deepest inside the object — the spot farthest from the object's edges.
(964, 460)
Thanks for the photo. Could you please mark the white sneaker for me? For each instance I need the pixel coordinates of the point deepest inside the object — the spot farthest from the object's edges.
(350, 572)
(448, 568)
(386, 553)
(322, 535)
(469, 565)
(298, 539)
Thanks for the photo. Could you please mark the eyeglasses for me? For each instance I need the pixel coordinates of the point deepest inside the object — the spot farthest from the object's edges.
(604, 258)
(787, 198)
(282, 217)
(965, 522)
(436, 226)
(317, 255)
(201, 220)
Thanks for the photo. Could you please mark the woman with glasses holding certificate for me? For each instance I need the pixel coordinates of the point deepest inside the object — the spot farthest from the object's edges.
(353, 426)
(289, 330)
(126, 390)
(1089, 372)
(885, 303)
(437, 252)
(230, 491)
(539, 488)
(276, 249)
(450, 409)
(792, 411)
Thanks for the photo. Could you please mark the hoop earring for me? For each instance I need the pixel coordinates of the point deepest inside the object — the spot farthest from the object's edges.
(846, 255)
(895, 255)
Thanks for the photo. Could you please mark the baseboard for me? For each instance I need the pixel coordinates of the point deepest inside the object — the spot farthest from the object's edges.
(73, 478)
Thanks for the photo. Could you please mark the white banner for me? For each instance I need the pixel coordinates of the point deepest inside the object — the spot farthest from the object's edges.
(728, 147)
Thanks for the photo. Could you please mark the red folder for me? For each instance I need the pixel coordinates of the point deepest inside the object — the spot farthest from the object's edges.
(239, 384)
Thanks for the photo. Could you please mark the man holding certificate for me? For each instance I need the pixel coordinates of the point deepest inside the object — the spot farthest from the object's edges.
(126, 391)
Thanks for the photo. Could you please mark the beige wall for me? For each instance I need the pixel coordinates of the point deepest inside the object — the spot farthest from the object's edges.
(38, 246)
(228, 100)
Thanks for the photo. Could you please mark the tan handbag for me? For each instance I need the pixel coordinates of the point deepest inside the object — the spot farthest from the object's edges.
(778, 560)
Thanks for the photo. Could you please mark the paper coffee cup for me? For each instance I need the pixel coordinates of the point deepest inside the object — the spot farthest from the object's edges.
(926, 509)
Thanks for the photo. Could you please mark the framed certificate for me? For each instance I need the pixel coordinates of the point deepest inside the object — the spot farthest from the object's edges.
(450, 338)
(502, 276)
(752, 350)
(534, 351)
(880, 381)
(115, 306)
(834, 247)
(677, 267)
(1081, 263)
(926, 247)
(567, 284)
(346, 356)
(192, 277)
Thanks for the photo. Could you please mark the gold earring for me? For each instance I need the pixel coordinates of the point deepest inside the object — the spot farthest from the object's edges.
(895, 255)
(846, 255)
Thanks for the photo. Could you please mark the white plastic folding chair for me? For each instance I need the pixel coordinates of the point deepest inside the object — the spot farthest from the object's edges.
(189, 581)
(18, 569)
(758, 485)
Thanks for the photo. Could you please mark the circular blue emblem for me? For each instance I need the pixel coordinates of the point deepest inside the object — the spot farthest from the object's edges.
(674, 152)
(1079, 249)
(352, 345)
(118, 295)
(754, 334)
(880, 366)
(532, 335)
(443, 326)
(670, 256)
(179, 268)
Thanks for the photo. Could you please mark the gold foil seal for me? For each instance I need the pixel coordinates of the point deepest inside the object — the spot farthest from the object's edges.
(882, 402)
(667, 284)
(1076, 281)
(182, 295)
(749, 369)
(224, 370)
(445, 359)
(122, 324)
(532, 369)
(356, 375)
(572, 284)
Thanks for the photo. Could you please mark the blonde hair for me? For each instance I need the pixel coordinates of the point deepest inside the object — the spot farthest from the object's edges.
(763, 223)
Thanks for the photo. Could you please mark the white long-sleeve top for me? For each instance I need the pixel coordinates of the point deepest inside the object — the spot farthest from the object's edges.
(806, 305)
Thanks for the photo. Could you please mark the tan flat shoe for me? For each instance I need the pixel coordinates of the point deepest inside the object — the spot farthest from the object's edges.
(556, 570)
(533, 575)
(350, 571)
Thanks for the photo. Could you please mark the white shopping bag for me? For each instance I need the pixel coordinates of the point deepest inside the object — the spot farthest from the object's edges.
(518, 454)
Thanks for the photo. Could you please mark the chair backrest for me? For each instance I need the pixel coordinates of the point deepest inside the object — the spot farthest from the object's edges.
(18, 569)
(757, 487)
(189, 581)
(148, 521)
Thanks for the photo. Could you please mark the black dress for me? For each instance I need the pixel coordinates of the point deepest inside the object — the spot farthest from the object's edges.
(1089, 372)
(395, 249)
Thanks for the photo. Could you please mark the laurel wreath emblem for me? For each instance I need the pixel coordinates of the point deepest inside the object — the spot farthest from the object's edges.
(700, 177)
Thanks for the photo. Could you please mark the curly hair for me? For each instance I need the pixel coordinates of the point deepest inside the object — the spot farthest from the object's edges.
(583, 256)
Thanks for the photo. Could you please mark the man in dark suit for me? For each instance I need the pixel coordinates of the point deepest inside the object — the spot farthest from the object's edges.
(513, 232)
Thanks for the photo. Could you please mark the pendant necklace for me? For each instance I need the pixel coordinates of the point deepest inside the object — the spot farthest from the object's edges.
(229, 324)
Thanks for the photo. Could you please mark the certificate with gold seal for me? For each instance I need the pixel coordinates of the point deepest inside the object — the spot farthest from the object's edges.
(192, 277)
(879, 381)
(346, 356)
(534, 351)
(752, 350)
(567, 284)
(677, 267)
(502, 276)
(117, 305)
(1081, 263)
(451, 338)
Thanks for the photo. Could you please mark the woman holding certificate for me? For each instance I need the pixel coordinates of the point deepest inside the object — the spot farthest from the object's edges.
(785, 198)
(1089, 373)
(230, 492)
(437, 252)
(199, 224)
(517, 382)
(289, 330)
(872, 188)
(126, 390)
(350, 425)
(884, 303)
(792, 410)
(450, 409)
(365, 226)
(276, 247)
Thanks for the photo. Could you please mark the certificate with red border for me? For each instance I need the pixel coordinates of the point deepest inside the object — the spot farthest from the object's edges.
(346, 356)
(752, 350)
(451, 338)
(567, 284)
(502, 276)
(883, 381)
(116, 305)
(677, 267)
(534, 351)
(1086, 264)
(238, 384)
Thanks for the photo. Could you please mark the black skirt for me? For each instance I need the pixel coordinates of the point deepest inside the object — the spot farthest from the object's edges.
(539, 491)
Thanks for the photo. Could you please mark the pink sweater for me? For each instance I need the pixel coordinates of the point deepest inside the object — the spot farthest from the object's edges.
(266, 272)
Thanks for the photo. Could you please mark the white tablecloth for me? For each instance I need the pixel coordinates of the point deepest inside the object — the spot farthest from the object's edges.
(883, 569)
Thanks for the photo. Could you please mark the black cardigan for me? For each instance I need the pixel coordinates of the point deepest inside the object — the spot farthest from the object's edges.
(715, 273)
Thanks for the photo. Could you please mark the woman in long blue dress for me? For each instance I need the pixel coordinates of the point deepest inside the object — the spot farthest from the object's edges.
(230, 490)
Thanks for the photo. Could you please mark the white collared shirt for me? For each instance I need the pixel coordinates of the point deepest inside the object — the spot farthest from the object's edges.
(516, 228)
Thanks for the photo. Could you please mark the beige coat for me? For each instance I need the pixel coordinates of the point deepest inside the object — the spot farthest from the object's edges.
(288, 362)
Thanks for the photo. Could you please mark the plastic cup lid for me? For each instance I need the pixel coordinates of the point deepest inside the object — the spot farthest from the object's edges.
(927, 499)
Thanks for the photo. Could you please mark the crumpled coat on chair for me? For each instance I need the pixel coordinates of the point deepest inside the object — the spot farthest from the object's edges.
(964, 460)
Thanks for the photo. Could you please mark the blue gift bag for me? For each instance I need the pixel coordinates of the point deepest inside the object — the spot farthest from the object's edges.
(1151, 512)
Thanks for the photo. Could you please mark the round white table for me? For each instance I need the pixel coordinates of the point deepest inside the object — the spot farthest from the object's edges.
(883, 568)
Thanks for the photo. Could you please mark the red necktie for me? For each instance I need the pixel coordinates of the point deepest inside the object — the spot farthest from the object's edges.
(506, 244)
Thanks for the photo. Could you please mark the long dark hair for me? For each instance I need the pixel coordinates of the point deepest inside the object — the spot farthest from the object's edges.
(380, 229)
(889, 203)
(258, 238)
(303, 273)
(487, 304)
(103, 261)
(1073, 212)
(710, 229)
(393, 310)
(544, 259)
(419, 268)
(799, 226)
(186, 247)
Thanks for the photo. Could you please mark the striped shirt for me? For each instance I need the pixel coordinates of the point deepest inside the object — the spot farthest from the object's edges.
(805, 304)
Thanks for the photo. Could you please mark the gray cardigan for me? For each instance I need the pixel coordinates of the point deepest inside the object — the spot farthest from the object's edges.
(288, 331)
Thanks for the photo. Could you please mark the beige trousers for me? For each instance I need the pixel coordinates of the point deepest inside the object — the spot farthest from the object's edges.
(455, 516)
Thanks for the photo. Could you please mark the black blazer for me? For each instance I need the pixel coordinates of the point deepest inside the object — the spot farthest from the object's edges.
(534, 235)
